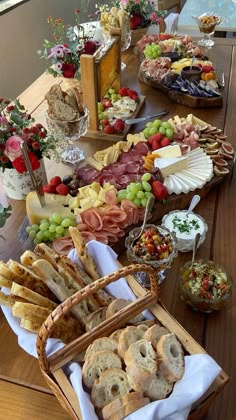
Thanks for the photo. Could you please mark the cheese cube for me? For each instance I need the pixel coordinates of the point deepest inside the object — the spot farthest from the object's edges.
(171, 166)
(169, 151)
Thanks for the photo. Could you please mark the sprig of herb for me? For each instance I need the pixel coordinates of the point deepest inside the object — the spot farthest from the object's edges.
(185, 226)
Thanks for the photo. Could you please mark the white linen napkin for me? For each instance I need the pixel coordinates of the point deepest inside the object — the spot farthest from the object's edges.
(200, 369)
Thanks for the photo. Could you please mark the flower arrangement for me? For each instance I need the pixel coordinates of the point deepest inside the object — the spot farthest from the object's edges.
(69, 43)
(16, 126)
(5, 212)
(142, 12)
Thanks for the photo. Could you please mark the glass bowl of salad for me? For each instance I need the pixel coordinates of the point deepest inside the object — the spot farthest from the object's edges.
(156, 247)
(206, 287)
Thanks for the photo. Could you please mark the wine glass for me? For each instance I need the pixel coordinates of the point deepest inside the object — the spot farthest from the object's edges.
(125, 41)
(207, 23)
(70, 132)
(161, 263)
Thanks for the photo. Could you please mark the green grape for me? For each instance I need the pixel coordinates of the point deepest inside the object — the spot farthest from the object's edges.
(146, 186)
(59, 235)
(144, 202)
(52, 227)
(146, 177)
(146, 133)
(148, 194)
(131, 196)
(44, 226)
(66, 222)
(73, 223)
(32, 234)
(169, 133)
(29, 229)
(137, 202)
(46, 235)
(59, 229)
(165, 124)
(37, 241)
(140, 194)
(149, 124)
(39, 235)
(162, 130)
(43, 221)
(35, 227)
(153, 130)
(57, 218)
(52, 236)
(139, 186)
(157, 123)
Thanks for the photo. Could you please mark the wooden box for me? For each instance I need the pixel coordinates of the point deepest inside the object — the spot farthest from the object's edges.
(51, 366)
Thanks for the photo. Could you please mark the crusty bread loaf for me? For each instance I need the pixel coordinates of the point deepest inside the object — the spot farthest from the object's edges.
(94, 319)
(55, 93)
(62, 111)
(157, 387)
(113, 383)
(115, 405)
(128, 336)
(98, 363)
(119, 304)
(100, 344)
(141, 354)
(129, 408)
(170, 357)
(154, 333)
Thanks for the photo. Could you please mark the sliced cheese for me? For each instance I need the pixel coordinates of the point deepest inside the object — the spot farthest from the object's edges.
(171, 165)
(169, 151)
(54, 203)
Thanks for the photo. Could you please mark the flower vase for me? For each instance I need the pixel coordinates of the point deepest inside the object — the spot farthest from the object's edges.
(17, 185)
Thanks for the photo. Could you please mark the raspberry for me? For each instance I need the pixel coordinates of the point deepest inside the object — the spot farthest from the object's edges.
(119, 125)
(56, 180)
(62, 189)
(109, 129)
(51, 189)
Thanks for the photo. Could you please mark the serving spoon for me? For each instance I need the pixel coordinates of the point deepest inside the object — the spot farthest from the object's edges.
(148, 209)
(195, 245)
(195, 200)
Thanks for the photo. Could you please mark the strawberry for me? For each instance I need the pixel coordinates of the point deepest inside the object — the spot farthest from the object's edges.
(106, 103)
(165, 142)
(157, 137)
(207, 69)
(155, 145)
(51, 189)
(56, 180)
(109, 129)
(123, 91)
(119, 125)
(132, 94)
(104, 122)
(159, 190)
(62, 189)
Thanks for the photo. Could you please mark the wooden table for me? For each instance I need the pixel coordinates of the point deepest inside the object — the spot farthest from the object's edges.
(24, 393)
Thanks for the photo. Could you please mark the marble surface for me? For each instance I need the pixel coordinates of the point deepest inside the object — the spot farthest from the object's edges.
(224, 8)
(6, 5)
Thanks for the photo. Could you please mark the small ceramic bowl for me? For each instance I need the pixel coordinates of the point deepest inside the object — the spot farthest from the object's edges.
(185, 228)
(191, 73)
(206, 287)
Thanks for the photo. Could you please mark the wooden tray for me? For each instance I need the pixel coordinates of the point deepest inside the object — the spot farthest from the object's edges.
(182, 98)
(51, 367)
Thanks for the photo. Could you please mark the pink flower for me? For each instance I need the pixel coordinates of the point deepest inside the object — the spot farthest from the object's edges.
(153, 17)
(13, 149)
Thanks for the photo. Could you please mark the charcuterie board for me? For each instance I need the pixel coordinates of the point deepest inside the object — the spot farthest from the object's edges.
(182, 98)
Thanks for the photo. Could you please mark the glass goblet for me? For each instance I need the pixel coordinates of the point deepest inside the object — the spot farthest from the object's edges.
(69, 132)
(160, 265)
(207, 23)
(125, 43)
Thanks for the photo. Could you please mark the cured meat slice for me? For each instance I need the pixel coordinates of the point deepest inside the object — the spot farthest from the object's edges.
(141, 148)
(115, 213)
(92, 218)
(63, 245)
(86, 173)
(111, 197)
(88, 236)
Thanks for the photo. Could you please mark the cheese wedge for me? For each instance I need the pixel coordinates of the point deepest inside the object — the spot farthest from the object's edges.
(169, 151)
(171, 165)
(54, 203)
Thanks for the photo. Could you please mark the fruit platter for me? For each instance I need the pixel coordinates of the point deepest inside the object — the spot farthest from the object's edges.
(108, 192)
(178, 67)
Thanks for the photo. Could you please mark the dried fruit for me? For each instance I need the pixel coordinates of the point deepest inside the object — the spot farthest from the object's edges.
(227, 148)
(220, 170)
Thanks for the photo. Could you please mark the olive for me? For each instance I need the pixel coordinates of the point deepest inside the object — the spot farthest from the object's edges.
(66, 179)
(74, 192)
(74, 183)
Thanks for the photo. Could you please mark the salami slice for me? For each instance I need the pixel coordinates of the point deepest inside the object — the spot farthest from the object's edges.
(92, 218)
(63, 245)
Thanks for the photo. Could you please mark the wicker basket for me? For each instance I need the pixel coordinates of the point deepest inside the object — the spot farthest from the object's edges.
(51, 367)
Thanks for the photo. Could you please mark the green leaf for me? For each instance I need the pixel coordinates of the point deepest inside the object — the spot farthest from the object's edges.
(16, 119)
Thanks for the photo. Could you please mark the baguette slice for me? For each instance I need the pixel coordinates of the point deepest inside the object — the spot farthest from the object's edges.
(94, 319)
(116, 405)
(138, 377)
(97, 364)
(154, 333)
(128, 336)
(119, 304)
(157, 387)
(31, 296)
(113, 383)
(141, 354)
(28, 257)
(129, 408)
(170, 357)
(100, 344)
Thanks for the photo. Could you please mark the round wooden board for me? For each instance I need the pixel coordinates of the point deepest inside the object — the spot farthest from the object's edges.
(182, 98)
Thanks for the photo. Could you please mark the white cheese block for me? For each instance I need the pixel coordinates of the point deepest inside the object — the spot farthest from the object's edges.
(190, 183)
(171, 165)
(54, 203)
(169, 151)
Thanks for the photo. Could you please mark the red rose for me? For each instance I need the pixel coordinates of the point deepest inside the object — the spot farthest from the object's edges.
(19, 163)
(90, 47)
(135, 21)
(68, 70)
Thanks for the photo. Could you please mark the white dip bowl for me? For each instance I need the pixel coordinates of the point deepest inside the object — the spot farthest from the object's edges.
(185, 228)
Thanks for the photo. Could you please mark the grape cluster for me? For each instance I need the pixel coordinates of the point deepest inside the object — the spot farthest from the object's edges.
(137, 192)
(158, 126)
(48, 229)
(152, 50)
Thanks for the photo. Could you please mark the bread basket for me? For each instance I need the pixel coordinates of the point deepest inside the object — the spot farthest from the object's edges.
(52, 366)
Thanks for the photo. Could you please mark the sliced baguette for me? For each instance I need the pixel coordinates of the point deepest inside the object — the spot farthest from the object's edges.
(142, 355)
(113, 383)
(154, 333)
(128, 336)
(157, 387)
(31, 296)
(170, 357)
(116, 405)
(129, 408)
(94, 319)
(97, 364)
(100, 344)
(119, 304)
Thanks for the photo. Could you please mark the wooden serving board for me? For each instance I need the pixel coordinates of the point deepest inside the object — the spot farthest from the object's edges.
(182, 98)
